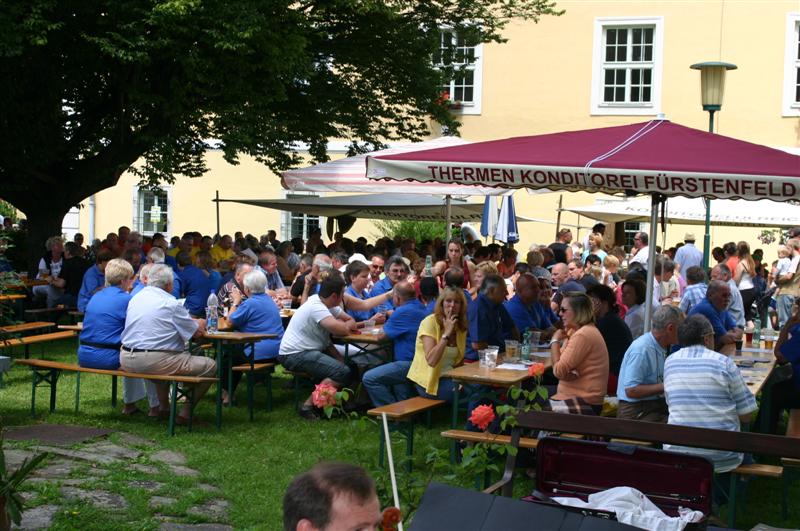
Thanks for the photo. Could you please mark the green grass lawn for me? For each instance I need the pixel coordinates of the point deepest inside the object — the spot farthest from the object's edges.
(253, 462)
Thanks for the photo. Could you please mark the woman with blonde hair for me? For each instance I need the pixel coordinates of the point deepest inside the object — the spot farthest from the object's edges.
(441, 345)
(595, 247)
(482, 270)
(743, 276)
(580, 358)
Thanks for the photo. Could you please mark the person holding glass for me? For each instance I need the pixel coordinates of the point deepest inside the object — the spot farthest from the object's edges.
(580, 359)
(440, 346)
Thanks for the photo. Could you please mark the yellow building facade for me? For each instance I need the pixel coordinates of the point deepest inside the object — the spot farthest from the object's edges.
(602, 63)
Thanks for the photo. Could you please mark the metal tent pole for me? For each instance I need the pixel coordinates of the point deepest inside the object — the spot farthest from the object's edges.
(448, 216)
(651, 260)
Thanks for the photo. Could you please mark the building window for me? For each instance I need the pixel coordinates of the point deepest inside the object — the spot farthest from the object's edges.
(627, 66)
(630, 228)
(464, 90)
(791, 76)
(297, 224)
(151, 211)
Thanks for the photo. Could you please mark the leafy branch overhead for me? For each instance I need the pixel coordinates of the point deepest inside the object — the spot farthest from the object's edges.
(90, 87)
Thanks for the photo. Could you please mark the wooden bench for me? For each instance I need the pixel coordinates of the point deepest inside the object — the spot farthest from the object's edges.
(732, 441)
(25, 327)
(488, 438)
(251, 368)
(403, 414)
(791, 465)
(47, 373)
(27, 341)
(55, 312)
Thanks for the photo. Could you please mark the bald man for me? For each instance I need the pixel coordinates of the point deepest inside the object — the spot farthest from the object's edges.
(387, 383)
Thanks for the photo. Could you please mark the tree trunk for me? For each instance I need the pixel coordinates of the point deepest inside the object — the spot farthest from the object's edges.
(43, 222)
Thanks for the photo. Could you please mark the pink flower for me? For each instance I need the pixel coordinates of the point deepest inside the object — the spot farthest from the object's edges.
(536, 370)
(324, 395)
(482, 416)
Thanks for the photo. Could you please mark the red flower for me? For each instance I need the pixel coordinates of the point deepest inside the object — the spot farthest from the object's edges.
(324, 395)
(482, 416)
(391, 517)
(536, 370)
(443, 99)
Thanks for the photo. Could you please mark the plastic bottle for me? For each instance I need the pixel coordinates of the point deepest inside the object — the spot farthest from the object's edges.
(757, 333)
(525, 349)
(212, 315)
(428, 266)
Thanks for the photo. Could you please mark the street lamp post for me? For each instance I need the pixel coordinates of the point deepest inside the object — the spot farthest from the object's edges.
(712, 87)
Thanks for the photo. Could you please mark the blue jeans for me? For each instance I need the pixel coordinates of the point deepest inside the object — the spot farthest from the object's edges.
(446, 390)
(387, 383)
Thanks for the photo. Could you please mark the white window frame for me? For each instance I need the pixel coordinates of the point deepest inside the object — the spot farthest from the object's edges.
(135, 212)
(286, 216)
(597, 106)
(473, 107)
(791, 63)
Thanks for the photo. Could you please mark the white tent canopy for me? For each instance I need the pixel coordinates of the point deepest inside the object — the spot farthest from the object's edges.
(349, 175)
(374, 206)
(687, 211)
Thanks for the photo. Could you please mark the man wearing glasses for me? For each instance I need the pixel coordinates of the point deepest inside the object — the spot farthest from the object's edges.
(714, 308)
(642, 249)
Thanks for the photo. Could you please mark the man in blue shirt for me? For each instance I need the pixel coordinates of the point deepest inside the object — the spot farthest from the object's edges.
(429, 293)
(197, 286)
(640, 388)
(695, 290)
(93, 279)
(489, 322)
(713, 307)
(521, 306)
(396, 271)
(387, 383)
(102, 328)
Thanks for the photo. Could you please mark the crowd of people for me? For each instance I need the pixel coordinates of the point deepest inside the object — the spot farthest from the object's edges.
(440, 304)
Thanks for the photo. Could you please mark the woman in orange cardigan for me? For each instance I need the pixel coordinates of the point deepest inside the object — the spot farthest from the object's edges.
(580, 359)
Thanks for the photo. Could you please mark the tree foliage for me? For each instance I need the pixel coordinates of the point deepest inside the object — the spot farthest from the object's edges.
(90, 87)
(419, 230)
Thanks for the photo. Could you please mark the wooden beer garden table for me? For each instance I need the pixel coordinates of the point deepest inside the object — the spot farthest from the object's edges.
(368, 337)
(222, 338)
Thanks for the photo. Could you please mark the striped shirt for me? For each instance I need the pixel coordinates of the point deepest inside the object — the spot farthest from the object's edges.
(692, 296)
(705, 389)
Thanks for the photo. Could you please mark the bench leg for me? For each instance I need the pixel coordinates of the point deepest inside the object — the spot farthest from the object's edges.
(53, 382)
(173, 407)
(409, 432)
(114, 392)
(34, 380)
(251, 382)
(381, 446)
(732, 501)
(77, 391)
(268, 384)
(27, 351)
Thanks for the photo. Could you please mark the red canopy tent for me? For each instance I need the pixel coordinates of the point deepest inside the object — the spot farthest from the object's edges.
(657, 157)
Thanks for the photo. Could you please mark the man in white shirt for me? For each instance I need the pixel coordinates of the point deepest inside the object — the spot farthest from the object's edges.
(688, 255)
(306, 345)
(640, 240)
(157, 328)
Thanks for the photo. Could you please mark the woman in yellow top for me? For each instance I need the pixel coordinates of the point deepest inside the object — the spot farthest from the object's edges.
(580, 359)
(441, 343)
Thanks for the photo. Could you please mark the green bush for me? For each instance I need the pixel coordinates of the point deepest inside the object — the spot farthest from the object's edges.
(419, 230)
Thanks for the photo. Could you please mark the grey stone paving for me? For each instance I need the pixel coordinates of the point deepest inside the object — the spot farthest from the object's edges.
(76, 482)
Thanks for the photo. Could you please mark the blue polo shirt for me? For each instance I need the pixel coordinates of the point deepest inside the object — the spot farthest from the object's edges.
(355, 314)
(170, 261)
(791, 351)
(720, 320)
(93, 281)
(260, 314)
(643, 364)
(196, 286)
(103, 323)
(524, 316)
(381, 287)
(488, 323)
(547, 317)
(431, 306)
(402, 328)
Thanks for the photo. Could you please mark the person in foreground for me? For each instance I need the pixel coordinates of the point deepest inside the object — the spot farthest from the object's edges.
(332, 497)
(103, 324)
(157, 328)
(580, 359)
(440, 346)
(705, 389)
